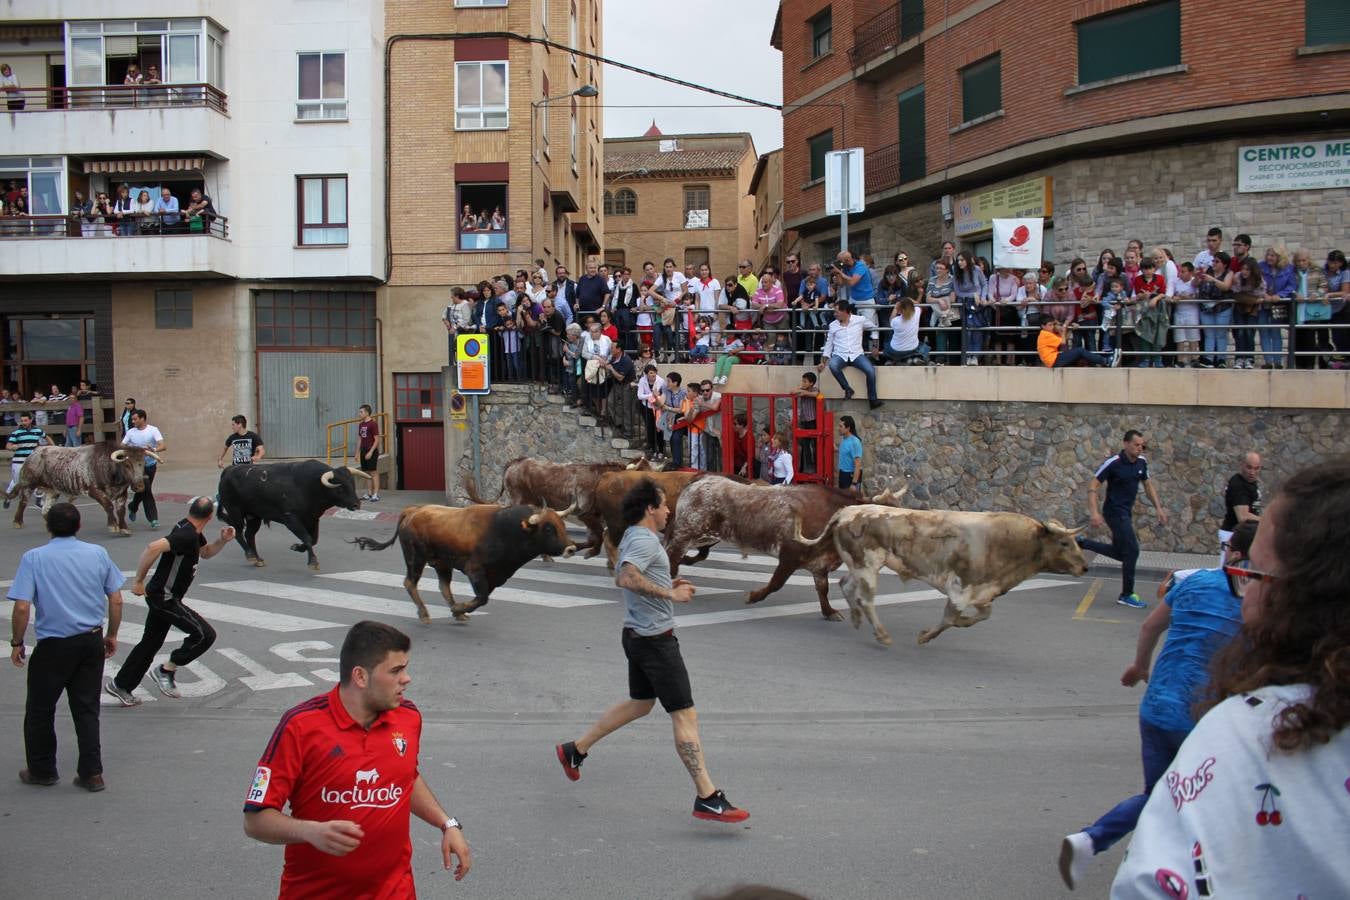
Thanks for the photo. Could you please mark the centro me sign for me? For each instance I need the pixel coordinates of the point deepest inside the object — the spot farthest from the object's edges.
(1310, 165)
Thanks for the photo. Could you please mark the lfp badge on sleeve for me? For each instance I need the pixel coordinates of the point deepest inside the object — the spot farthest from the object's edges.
(471, 364)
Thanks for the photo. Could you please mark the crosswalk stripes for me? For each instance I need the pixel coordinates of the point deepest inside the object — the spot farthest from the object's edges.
(242, 615)
(374, 606)
(506, 592)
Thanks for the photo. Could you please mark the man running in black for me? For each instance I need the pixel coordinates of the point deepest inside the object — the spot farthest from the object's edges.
(178, 554)
(1122, 474)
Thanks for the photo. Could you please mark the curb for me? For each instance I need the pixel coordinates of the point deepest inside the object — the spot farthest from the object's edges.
(357, 515)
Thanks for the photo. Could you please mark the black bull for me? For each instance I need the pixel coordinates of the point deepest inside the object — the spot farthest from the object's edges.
(295, 494)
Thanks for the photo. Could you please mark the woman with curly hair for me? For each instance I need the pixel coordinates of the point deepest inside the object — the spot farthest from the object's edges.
(1256, 797)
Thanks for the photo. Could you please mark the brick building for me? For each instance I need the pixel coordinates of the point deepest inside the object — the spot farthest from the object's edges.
(1112, 118)
(686, 196)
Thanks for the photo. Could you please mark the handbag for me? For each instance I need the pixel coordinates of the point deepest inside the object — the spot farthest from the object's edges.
(1314, 311)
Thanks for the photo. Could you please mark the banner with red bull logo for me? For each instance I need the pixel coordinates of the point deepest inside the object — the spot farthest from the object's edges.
(1018, 243)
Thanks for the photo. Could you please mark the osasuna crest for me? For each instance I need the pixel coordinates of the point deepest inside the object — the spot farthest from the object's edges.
(399, 743)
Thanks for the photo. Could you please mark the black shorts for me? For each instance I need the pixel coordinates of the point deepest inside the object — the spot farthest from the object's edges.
(370, 464)
(656, 670)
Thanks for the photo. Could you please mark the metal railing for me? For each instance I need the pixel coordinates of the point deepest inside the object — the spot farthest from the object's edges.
(129, 225)
(881, 169)
(117, 96)
(341, 443)
(889, 28)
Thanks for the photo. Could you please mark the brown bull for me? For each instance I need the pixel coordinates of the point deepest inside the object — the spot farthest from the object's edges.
(487, 542)
(102, 470)
(971, 557)
(758, 518)
(539, 482)
(606, 500)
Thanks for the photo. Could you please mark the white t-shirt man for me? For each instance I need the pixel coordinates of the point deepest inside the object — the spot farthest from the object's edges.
(146, 437)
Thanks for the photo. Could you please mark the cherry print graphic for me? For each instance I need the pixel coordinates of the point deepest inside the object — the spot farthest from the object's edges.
(1268, 794)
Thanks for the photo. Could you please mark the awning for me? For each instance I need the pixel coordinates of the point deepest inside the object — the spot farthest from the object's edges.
(582, 232)
(32, 32)
(132, 166)
(564, 202)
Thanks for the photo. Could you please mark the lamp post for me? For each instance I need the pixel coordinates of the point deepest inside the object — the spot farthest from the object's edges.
(586, 90)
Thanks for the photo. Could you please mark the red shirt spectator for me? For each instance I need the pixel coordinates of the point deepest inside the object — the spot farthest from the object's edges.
(1156, 284)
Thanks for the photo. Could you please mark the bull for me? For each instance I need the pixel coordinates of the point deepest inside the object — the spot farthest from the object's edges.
(971, 557)
(295, 494)
(758, 518)
(605, 501)
(103, 470)
(540, 482)
(487, 542)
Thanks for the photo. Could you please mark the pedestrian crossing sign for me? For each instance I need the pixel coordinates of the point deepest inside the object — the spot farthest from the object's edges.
(471, 363)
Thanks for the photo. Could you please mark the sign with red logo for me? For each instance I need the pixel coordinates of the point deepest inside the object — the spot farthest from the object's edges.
(1018, 243)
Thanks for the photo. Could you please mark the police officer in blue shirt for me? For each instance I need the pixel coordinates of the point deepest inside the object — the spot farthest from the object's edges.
(1122, 475)
(71, 583)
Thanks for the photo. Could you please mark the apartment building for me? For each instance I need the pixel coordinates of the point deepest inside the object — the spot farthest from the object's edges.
(495, 160)
(1110, 118)
(272, 110)
(683, 196)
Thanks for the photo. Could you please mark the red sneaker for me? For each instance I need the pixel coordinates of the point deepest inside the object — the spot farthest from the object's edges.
(570, 759)
(717, 808)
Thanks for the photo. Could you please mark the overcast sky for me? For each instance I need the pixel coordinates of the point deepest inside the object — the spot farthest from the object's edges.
(718, 43)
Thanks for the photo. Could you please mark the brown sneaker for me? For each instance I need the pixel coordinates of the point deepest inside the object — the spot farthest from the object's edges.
(93, 784)
(28, 777)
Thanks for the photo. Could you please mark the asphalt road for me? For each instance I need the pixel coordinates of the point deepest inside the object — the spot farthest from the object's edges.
(947, 770)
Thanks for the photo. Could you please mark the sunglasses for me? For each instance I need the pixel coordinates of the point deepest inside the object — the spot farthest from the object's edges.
(1241, 575)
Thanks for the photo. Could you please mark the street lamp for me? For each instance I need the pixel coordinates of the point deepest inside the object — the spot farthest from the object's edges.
(586, 90)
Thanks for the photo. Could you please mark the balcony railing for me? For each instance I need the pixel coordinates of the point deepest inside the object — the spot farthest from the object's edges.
(132, 226)
(886, 30)
(117, 96)
(881, 169)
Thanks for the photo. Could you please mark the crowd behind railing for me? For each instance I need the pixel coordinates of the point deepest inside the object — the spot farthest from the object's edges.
(116, 215)
(68, 417)
(136, 90)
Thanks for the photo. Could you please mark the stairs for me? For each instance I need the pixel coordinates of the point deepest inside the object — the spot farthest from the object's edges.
(629, 448)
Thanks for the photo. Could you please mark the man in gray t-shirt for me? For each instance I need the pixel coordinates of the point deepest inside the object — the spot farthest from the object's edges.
(655, 667)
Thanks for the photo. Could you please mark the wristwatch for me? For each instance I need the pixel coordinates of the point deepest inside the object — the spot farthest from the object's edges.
(20, 644)
(452, 822)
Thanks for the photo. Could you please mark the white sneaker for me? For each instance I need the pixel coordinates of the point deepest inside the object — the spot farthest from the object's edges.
(1074, 854)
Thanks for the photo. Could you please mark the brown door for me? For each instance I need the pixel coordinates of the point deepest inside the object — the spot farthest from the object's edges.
(423, 450)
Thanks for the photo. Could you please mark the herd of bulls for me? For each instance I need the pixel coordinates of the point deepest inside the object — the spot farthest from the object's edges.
(971, 557)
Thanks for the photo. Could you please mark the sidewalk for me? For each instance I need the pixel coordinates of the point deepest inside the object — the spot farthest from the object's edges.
(176, 485)
(1155, 563)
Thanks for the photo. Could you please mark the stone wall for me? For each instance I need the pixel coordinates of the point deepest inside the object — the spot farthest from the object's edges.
(1038, 459)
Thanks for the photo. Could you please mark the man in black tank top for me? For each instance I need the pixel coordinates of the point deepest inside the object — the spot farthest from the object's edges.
(177, 555)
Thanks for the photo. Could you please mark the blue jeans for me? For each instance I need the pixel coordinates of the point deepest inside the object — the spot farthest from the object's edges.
(1271, 338)
(861, 363)
(899, 356)
(1158, 748)
(1074, 354)
(72, 435)
(677, 448)
(1124, 548)
(1215, 340)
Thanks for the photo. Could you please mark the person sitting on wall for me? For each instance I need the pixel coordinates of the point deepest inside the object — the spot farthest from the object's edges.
(1050, 346)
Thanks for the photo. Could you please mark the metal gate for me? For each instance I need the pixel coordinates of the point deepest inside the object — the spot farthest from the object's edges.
(337, 384)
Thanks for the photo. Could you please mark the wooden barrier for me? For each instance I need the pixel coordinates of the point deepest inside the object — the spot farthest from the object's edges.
(101, 420)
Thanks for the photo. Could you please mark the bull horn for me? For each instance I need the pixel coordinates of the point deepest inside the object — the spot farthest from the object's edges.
(155, 456)
(635, 464)
(1054, 526)
(118, 456)
(564, 513)
(534, 519)
(327, 479)
(356, 471)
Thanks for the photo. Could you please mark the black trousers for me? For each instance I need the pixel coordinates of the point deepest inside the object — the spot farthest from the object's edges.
(146, 497)
(73, 665)
(165, 613)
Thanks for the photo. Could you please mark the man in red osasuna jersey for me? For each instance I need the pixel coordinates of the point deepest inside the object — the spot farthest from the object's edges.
(346, 762)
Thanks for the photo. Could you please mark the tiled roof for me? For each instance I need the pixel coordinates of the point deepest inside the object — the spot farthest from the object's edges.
(655, 161)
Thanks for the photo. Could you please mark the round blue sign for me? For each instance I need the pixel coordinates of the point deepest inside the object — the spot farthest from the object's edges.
(471, 347)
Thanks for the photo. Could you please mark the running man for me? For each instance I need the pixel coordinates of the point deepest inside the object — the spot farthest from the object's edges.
(244, 447)
(346, 762)
(1200, 613)
(368, 432)
(147, 437)
(1122, 474)
(178, 554)
(22, 441)
(655, 667)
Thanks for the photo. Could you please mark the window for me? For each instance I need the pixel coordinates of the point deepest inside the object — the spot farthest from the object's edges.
(1136, 39)
(697, 200)
(624, 203)
(480, 2)
(573, 35)
(820, 33)
(323, 209)
(543, 113)
(315, 319)
(1326, 23)
(818, 147)
(695, 256)
(573, 127)
(482, 217)
(480, 95)
(615, 259)
(173, 309)
(913, 136)
(417, 396)
(323, 86)
(982, 88)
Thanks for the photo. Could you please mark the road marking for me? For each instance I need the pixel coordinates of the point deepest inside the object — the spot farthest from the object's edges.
(510, 595)
(1081, 611)
(295, 651)
(429, 583)
(794, 609)
(260, 678)
(376, 606)
(243, 615)
(697, 572)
